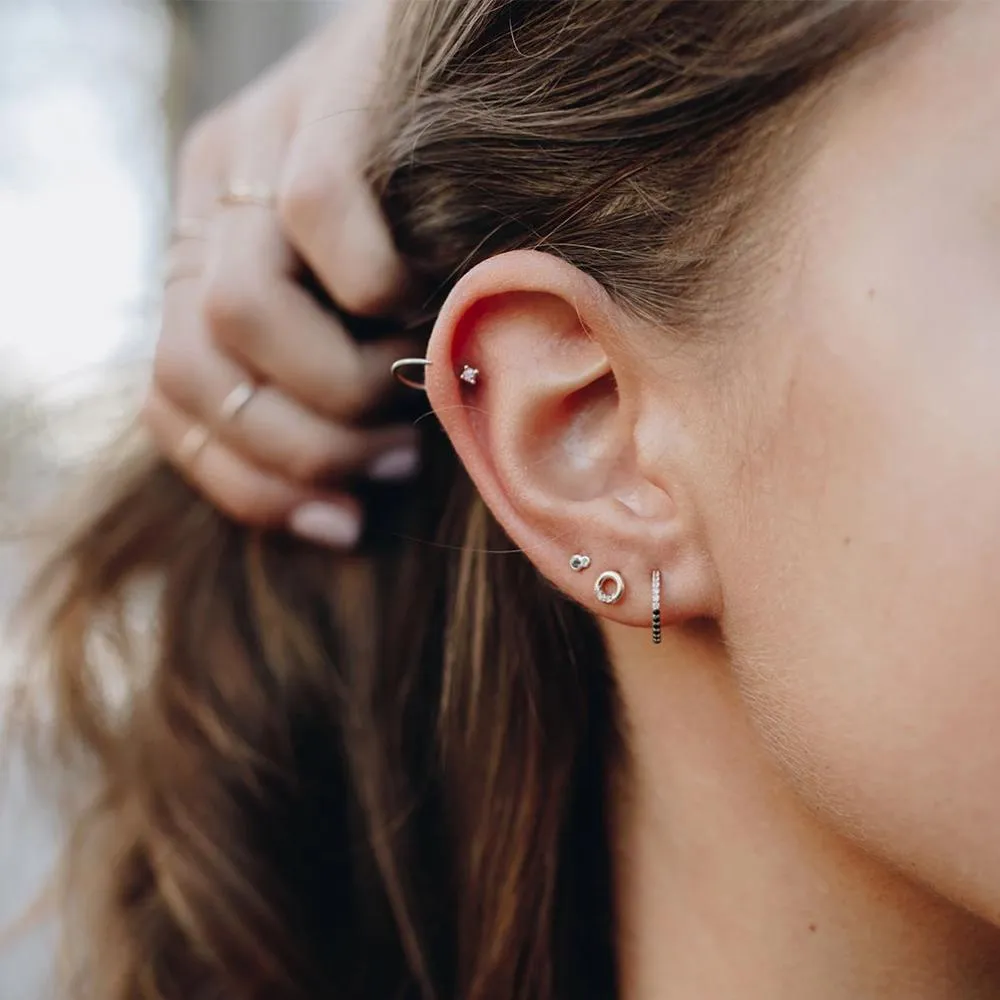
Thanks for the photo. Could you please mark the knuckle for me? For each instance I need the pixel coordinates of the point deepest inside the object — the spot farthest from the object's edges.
(317, 203)
(363, 294)
(229, 307)
(308, 190)
(315, 456)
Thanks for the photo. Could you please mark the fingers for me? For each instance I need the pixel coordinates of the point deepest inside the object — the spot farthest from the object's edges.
(235, 315)
(248, 253)
(277, 330)
(271, 430)
(258, 315)
(331, 216)
(327, 208)
(250, 304)
(244, 492)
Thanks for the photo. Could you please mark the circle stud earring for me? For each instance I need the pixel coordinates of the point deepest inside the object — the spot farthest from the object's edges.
(609, 587)
(399, 367)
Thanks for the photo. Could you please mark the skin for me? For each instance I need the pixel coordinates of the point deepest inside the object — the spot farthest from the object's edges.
(809, 807)
(235, 314)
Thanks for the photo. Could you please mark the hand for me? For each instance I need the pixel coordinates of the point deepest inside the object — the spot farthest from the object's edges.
(256, 387)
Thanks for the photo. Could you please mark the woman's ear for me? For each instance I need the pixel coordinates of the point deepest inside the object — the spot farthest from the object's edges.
(545, 421)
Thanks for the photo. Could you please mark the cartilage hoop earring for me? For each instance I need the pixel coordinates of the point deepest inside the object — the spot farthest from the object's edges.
(579, 562)
(399, 366)
(617, 587)
(657, 630)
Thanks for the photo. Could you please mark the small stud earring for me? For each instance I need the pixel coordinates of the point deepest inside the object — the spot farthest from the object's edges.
(469, 375)
(616, 591)
(579, 562)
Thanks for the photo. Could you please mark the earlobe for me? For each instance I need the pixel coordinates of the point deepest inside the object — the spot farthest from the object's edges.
(524, 378)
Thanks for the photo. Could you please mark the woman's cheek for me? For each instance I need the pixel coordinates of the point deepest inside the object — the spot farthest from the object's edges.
(864, 606)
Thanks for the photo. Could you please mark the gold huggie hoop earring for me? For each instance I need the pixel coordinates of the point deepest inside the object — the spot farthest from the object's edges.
(657, 631)
(601, 591)
(402, 363)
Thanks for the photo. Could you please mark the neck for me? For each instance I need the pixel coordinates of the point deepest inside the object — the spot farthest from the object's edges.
(728, 887)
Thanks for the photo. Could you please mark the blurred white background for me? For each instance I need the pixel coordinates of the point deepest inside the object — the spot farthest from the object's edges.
(94, 95)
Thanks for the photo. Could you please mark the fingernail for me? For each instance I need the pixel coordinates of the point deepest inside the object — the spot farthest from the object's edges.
(400, 463)
(327, 524)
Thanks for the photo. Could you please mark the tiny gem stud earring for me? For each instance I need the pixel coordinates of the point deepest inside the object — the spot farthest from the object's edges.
(579, 562)
(469, 375)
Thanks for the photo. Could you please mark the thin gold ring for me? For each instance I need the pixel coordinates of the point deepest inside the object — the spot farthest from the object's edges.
(193, 443)
(237, 400)
(240, 192)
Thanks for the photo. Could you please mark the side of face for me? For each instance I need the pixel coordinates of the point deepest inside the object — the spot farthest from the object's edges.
(827, 493)
(855, 521)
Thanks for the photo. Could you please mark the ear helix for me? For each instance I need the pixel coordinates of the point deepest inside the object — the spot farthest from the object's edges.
(609, 588)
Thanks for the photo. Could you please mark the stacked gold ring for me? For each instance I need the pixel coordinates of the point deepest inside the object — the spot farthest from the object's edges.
(240, 192)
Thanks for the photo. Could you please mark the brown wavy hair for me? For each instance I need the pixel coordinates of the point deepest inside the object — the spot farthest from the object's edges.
(383, 775)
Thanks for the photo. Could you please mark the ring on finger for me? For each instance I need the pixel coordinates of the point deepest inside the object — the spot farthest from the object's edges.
(242, 192)
(236, 401)
(193, 444)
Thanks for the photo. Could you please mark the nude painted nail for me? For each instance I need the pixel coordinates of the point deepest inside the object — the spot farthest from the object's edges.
(399, 463)
(327, 524)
